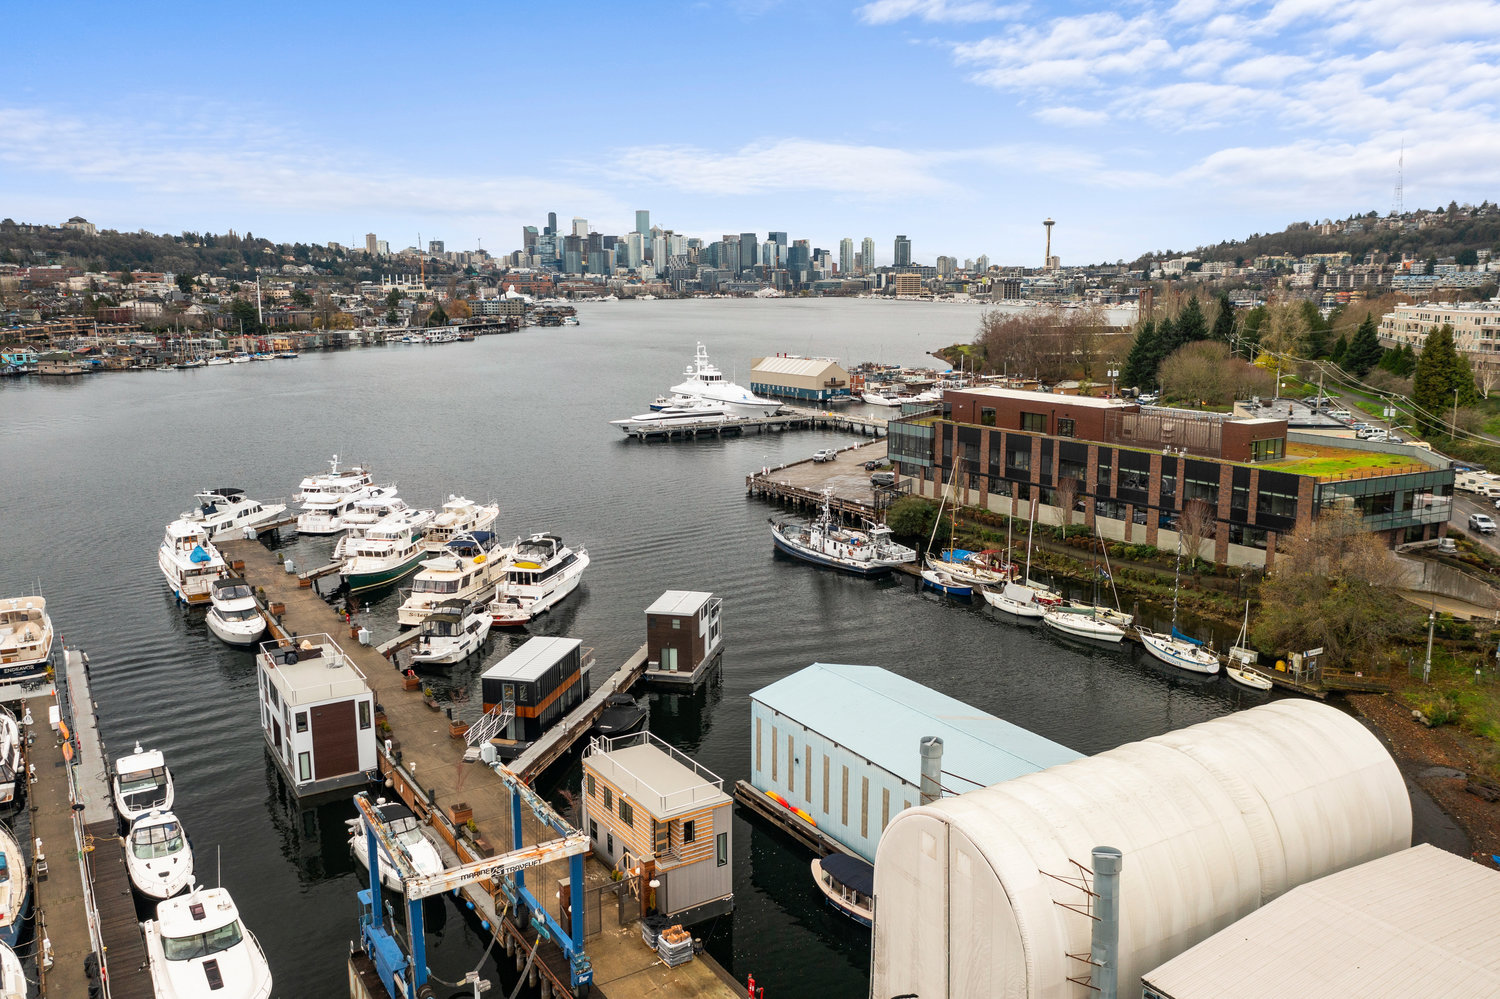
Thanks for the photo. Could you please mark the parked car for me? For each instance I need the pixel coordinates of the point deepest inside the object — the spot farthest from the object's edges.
(825, 454)
(1482, 523)
(873, 464)
(883, 479)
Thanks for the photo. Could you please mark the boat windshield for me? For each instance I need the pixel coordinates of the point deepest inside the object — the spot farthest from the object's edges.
(239, 591)
(441, 629)
(154, 842)
(198, 945)
(435, 586)
(249, 614)
(145, 787)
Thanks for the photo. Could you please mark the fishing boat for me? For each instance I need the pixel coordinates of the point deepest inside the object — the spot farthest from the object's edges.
(15, 887)
(384, 552)
(141, 783)
(848, 883)
(869, 552)
(1174, 648)
(197, 948)
(542, 572)
(404, 828)
(327, 497)
(189, 561)
(459, 516)
(12, 975)
(1240, 664)
(622, 715)
(158, 856)
(467, 568)
(453, 631)
(234, 615)
(225, 512)
(25, 638)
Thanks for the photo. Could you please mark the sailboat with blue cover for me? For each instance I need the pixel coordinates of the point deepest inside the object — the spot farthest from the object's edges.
(1175, 648)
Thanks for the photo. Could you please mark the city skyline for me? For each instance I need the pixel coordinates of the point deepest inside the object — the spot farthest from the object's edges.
(1153, 126)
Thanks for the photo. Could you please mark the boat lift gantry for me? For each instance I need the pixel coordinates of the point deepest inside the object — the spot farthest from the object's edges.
(406, 974)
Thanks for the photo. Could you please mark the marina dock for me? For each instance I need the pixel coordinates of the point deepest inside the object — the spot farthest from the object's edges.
(80, 889)
(794, 419)
(425, 767)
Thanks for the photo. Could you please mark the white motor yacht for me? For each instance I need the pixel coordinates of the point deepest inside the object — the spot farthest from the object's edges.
(868, 552)
(453, 631)
(14, 887)
(224, 513)
(365, 514)
(689, 415)
(703, 380)
(542, 572)
(384, 552)
(877, 397)
(467, 568)
(142, 783)
(12, 975)
(189, 561)
(25, 638)
(326, 498)
(12, 779)
(234, 616)
(197, 948)
(459, 516)
(407, 832)
(158, 856)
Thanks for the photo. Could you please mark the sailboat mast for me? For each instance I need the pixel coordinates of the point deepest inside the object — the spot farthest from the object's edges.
(1176, 579)
(1030, 530)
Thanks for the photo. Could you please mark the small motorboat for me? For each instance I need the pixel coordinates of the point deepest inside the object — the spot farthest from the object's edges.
(402, 824)
(142, 784)
(454, 631)
(234, 616)
(197, 948)
(158, 856)
(848, 883)
(14, 887)
(937, 579)
(12, 975)
(622, 714)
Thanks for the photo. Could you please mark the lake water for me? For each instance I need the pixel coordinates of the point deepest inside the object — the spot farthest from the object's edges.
(96, 467)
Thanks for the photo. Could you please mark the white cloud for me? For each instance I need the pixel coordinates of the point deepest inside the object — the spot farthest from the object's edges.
(786, 165)
(937, 11)
(1072, 117)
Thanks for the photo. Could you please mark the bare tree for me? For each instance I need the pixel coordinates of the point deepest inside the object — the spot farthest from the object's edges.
(1205, 372)
(1066, 493)
(1196, 523)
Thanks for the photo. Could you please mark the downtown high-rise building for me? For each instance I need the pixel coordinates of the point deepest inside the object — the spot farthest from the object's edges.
(867, 252)
(982, 264)
(370, 243)
(635, 249)
(552, 224)
(580, 227)
(902, 252)
(642, 221)
(749, 251)
(846, 256)
(528, 238)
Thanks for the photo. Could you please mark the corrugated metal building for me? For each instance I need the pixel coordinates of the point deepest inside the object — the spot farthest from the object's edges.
(1416, 923)
(979, 895)
(815, 379)
(841, 743)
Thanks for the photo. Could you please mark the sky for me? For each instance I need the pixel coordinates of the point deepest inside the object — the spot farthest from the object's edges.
(1139, 126)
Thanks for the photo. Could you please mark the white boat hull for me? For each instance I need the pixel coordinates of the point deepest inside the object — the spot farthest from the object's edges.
(235, 632)
(1083, 626)
(445, 651)
(1176, 652)
(1247, 677)
(507, 614)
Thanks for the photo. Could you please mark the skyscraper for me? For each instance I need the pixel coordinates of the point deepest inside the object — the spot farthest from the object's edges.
(903, 252)
(552, 223)
(528, 238)
(867, 251)
(370, 243)
(846, 256)
(642, 221)
(749, 246)
(635, 249)
(580, 227)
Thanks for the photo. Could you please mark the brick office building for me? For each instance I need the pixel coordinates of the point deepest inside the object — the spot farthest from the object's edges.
(1134, 469)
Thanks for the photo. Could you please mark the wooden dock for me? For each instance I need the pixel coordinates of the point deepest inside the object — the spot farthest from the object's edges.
(798, 828)
(426, 769)
(575, 725)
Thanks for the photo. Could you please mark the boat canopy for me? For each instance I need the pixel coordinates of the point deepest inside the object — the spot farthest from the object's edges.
(199, 555)
(851, 872)
(1186, 638)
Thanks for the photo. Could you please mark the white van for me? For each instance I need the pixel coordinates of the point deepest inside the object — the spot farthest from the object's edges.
(1479, 483)
(1341, 414)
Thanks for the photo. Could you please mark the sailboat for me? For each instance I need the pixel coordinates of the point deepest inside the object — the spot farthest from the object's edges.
(1175, 648)
(1028, 598)
(935, 577)
(1093, 620)
(1242, 659)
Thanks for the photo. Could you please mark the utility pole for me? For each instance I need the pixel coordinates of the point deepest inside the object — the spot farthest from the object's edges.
(1431, 625)
(1455, 411)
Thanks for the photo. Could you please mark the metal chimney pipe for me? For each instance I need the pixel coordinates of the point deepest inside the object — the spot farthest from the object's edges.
(1104, 947)
(932, 769)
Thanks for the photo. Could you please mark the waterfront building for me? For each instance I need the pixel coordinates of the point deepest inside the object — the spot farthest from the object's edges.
(907, 284)
(842, 743)
(539, 682)
(1133, 471)
(1202, 826)
(902, 252)
(846, 256)
(867, 250)
(649, 808)
(642, 221)
(316, 713)
(813, 379)
(684, 635)
(1476, 328)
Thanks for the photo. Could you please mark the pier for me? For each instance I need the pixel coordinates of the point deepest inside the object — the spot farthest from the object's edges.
(795, 419)
(469, 809)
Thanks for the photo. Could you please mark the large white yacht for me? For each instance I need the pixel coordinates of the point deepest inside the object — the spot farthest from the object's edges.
(14, 887)
(406, 831)
(683, 414)
(224, 513)
(326, 498)
(455, 630)
(11, 765)
(384, 552)
(543, 571)
(142, 783)
(703, 380)
(190, 561)
(25, 638)
(365, 514)
(158, 857)
(467, 568)
(460, 516)
(234, 616)
(198, 949)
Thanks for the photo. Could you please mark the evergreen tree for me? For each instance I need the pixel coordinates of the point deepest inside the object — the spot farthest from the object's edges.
(1167, 342)
(1319, 335)
(1224, 330)
(1340, 348)
(1364, 350)
(1140, 364)
(1442, 381)
(1191, 325)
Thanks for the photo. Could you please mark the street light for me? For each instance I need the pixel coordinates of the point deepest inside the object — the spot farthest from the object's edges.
(1113, 374)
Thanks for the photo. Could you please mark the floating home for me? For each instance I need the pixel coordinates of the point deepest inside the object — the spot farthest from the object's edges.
(648, 806)
(317, 714)
(842, 743)
(684, 635)
(538, 683)
(809, 379)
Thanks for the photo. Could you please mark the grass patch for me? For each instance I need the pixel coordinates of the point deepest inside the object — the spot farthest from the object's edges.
(1328, 462)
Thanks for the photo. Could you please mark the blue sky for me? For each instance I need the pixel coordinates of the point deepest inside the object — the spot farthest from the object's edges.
(1138, 126)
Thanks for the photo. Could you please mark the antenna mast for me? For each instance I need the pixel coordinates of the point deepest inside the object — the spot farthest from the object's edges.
(1399, 207)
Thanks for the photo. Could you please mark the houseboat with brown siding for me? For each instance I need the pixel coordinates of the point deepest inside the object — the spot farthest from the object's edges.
(684, 636)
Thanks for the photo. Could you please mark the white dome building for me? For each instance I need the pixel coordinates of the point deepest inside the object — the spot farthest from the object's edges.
(972, 893)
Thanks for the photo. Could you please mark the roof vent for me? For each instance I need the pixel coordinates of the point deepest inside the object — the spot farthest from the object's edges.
(213, 974)
(196, 910)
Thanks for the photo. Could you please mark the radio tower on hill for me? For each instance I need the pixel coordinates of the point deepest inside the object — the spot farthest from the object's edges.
(1398, 205)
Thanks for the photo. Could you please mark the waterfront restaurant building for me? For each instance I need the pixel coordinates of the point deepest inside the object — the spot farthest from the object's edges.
(1132, 469)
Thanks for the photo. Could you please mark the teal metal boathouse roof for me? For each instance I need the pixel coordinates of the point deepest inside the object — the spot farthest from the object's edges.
(882, 717)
